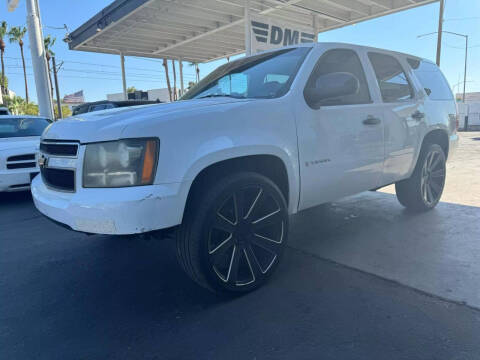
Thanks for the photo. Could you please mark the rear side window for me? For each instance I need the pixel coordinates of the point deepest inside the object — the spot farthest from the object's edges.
(392, 80)
(342, 60)
(432, 79)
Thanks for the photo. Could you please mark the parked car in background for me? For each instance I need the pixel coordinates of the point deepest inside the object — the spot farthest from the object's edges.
(256, 140)
(107, 104)
(19, 143)
(4, 111)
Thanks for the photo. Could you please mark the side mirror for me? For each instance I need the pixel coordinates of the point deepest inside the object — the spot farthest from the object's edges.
(331, 86)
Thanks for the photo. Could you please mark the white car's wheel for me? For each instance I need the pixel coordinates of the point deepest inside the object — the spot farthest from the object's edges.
(423, 190)
(233, 235)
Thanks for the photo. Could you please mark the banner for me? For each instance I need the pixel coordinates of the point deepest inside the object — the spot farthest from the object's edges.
(267, 33)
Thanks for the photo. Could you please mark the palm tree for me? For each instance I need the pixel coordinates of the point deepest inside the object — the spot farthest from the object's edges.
(16, 105)
(174, 81)
(3, 32)
(197, 70)
(16, 34)
(165, 65)
(49, 42)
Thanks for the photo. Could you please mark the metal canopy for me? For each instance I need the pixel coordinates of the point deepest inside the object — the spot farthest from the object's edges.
(205, 30)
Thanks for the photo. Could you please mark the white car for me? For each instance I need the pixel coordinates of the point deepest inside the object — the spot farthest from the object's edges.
(19, 143)
(258, 139)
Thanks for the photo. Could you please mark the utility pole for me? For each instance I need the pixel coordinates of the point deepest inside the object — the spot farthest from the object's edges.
(465, 71)
(39, 61)
(59, 105)
(440, 32)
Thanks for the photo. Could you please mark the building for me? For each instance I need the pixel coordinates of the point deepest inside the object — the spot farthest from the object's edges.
(153, 94)
(469, 111)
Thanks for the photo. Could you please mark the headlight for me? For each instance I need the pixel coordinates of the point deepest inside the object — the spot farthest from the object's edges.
(129, 162)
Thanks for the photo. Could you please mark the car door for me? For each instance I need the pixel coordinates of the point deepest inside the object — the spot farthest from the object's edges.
(404, 115)
(340, 142)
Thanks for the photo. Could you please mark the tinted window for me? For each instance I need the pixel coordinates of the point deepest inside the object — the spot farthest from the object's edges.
(432, 79)
(19, 127)
(392, 80)
(342, 60)
(267, 75)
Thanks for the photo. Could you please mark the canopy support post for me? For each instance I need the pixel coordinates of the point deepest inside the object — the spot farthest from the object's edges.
(248, 39)
(124, 80)
(180, 65)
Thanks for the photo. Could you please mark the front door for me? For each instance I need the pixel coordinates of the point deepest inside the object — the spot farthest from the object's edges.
(341, 146)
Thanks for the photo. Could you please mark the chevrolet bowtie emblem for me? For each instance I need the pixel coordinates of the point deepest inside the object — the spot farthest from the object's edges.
(42, 160)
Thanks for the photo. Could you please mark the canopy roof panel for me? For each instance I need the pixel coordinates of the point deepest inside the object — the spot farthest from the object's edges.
(205, 30)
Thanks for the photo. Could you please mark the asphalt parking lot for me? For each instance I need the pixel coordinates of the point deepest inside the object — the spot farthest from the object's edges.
(361, 279)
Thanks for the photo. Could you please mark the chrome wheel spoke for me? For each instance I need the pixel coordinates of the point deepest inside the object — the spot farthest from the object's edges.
(270, 219)
(265, 243)
(223, 246)
(238, 200)
(222, 223)
(255, 264)
(430, 197)
(438, 173)
(233, 267)
(435, 186)
(254, 204)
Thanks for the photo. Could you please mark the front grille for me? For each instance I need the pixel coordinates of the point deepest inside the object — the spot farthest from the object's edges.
(24, 161)
(22, 165)
(21, 157)
(60, 179)
(59, 147)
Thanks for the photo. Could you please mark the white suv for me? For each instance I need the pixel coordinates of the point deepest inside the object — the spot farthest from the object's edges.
(258, 139)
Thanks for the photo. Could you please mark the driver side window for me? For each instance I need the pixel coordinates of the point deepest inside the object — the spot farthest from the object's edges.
(342, 61)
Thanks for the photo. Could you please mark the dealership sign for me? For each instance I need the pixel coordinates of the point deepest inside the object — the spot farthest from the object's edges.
(269, 34)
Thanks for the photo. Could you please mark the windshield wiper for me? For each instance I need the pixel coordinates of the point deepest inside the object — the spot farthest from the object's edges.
(220, 95)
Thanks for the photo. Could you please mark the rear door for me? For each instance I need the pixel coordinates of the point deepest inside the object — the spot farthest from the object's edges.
(404, 115)
(341, 142)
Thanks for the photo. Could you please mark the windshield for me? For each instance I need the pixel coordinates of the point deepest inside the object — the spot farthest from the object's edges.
(266, 75)
(19, 127)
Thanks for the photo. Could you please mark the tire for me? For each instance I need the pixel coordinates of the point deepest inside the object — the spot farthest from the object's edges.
(233, 235)
(423, 190)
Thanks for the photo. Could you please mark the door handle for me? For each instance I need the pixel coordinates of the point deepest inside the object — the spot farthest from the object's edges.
(417, 115)
(371, 120)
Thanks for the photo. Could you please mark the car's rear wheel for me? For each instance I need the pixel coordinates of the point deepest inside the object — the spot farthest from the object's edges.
(233, 235)
(423, 190)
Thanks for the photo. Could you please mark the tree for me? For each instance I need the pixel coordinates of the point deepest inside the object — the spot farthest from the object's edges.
(190, 85)
(3, 80)
(66, 112)
(165, 65)
(16, 34)
(15, 105)
(30, 109)
(49, 42)
(174, 81)
(3, 32)
(131, 89)
(197, 71)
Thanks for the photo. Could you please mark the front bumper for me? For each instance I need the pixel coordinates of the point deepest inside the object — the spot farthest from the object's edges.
(16, 180)
(115, 211)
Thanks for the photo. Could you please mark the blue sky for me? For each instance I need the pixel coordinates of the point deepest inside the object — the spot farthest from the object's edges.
(99, 74)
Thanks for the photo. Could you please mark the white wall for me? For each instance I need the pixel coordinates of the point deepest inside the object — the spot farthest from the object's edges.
(153, 94)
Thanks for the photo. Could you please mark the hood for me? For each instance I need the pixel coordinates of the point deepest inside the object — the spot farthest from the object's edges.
(13, 143)
(109, 124)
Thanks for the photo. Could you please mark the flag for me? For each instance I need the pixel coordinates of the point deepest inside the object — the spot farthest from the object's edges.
(74, 98)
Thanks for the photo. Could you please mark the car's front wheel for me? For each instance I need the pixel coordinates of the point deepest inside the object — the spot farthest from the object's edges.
(422, 191)
(233, 234)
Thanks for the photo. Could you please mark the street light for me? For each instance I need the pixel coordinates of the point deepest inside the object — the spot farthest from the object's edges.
(466, 54)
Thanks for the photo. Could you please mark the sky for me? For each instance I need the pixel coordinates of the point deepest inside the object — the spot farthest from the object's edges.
(99, 74)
